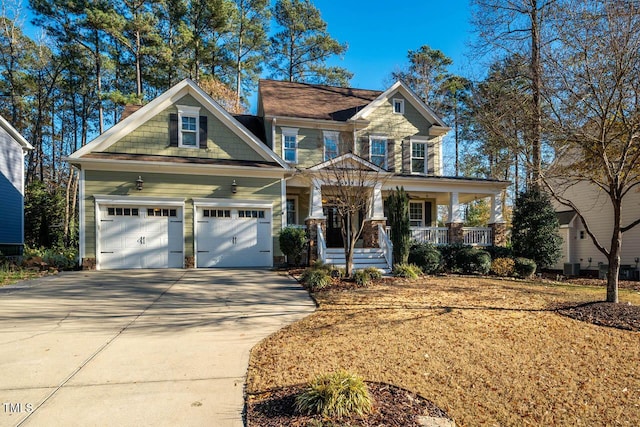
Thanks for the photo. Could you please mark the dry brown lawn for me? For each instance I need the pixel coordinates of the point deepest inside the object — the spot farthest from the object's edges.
(487, 351)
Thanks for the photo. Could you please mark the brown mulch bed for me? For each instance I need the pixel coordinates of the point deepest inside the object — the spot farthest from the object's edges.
(393, 406)
(621, 316)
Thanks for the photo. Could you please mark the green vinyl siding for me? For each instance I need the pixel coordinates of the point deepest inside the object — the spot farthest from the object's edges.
(188, 186)
(311, 145)
(400, 127)
(152, 138)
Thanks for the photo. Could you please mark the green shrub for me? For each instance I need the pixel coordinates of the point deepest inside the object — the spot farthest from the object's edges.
(500, 251)
(426, 256)
(316, 279)
(473, 260)
(525, 267)
(335, 395)
(409, 271)
(292, 243)
(337, 272)
(450, 254)
(363, 277)
(59, 258)
(503, 267)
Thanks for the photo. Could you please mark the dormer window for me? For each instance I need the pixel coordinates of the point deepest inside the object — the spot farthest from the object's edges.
(398, 106)
(188, 135)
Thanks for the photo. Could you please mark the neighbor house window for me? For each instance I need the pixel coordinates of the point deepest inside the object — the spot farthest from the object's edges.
(415, 214)
(290, 145)
(330, 145)
(419, 157)
(378, 151)
(398, 106)
(188, 135)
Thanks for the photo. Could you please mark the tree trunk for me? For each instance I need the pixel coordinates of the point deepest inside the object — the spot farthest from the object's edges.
(536, 86)
(614, 255)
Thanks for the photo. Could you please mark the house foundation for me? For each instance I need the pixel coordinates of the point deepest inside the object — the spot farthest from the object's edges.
(88, 263)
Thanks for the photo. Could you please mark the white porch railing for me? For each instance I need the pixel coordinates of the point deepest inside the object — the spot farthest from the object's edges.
(385, 244)
(472, 236)
(433, 235)
(322, 245)
(477, 236)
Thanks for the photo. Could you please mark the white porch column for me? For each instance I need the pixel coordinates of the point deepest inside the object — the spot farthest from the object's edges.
(455, 213)
(315, 200)
(496, 209)
(377, 205)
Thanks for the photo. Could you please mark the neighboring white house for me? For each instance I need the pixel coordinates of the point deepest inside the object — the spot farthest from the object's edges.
(594, 204)
(13, 148)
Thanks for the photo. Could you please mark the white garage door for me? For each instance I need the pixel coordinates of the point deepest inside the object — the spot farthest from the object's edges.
(140, 237)
(233, 237)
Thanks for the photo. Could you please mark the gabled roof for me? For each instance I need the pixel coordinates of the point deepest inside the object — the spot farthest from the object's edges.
(302, 100)
(347, 161)
(410, 95)
(15, 134)
(565, 217)
(166, 100)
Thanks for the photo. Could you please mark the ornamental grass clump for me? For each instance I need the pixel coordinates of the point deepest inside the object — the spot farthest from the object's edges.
(408, 271)
(316, 279)
(363, 277)
(338, 394)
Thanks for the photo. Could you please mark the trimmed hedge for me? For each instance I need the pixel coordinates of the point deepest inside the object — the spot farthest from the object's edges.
(426, 256)
(503, 267)
(525, 267)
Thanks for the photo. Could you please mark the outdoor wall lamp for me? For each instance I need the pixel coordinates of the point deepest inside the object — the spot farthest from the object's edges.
(637, 260)
(234, 187)
(139, 183)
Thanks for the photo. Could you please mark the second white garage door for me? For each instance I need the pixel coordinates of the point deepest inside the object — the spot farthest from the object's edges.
(233, 237)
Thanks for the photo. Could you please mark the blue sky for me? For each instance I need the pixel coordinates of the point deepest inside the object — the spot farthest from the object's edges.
(380, 33)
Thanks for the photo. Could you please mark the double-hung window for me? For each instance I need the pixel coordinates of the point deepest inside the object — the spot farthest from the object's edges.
(331, 140)
(378, 151)
(290, 145)
(419, 157)
(188, 134)
(416, 217)
(398, 106)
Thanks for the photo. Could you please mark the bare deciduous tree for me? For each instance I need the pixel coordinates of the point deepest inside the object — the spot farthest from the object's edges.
(594, 97)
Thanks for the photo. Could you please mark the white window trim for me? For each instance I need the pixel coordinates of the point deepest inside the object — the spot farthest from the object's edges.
(424, 141)
(330, 134)
(401, 102)
(290, 132)
(386, 146)
(188, 111)
(422, 220)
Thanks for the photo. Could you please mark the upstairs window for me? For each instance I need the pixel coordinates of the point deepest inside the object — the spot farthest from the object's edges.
(330, 145)
(419, 157)
(188, 132)
(290, 145)
(398, 106)
(378, 151)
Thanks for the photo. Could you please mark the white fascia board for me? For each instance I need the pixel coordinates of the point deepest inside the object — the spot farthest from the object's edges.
(232, 203)
(15, 134)
(343, 159)
(443, 185)
(403, 89)
(177, 168)
(318, 123)
(138, 200)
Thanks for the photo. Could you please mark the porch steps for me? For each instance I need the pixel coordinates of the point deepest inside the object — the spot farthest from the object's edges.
(362, 258)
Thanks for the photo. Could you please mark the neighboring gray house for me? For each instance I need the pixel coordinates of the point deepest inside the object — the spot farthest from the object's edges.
(12, 151)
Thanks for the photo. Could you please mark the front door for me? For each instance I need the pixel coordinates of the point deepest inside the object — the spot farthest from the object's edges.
(334, 227)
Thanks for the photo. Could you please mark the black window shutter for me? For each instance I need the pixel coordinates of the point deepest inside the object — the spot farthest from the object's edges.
(173, 130)
(427, 214)
(364, 146)
(406, 156)
(203, 132)
(391, 155)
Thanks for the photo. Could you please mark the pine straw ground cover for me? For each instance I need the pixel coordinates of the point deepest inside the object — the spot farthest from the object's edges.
(486, 351)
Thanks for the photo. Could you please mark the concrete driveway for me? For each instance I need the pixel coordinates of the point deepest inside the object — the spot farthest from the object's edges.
(137, 348)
